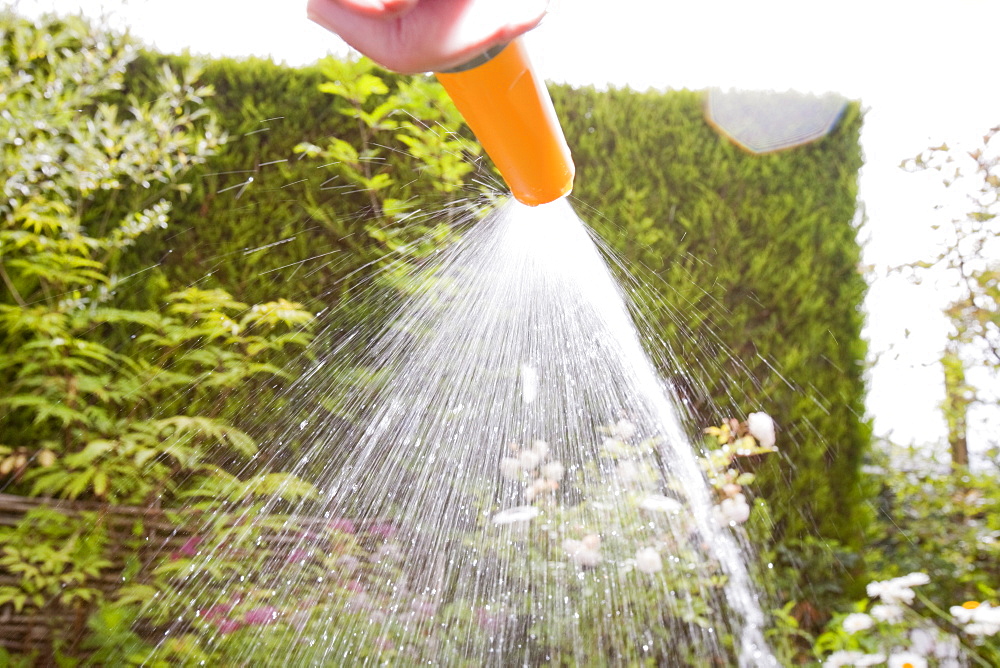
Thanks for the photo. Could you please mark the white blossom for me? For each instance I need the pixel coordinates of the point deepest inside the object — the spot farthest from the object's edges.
(648, 560)
(553, 471)
(962, 613)
(661, 504)
(887, 613)
(842, 658)
(734, 510)
(986, 614)
(981, 629)
(528, 459)
(761, 427)
(889, 592)
(923, 641)
(869, 660)
(897, 590)
(584, 553)
(907, 660)
(518, 514)
(980, 619)
(857, 621)
(623, 429)
(539, 487)
(540, 448)
(510, 468)
(912, 580)
(614, 447)
(627, 472)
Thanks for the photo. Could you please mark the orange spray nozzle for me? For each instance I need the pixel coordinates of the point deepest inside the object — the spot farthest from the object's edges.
(509, 109)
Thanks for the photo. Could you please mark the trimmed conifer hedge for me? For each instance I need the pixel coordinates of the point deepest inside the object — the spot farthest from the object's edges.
(758, 288)
(751, 261)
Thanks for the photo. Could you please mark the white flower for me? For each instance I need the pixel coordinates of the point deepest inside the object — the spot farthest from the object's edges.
(518, 514)
(964, 613)
(731, 489)
(869, 659)
(623, 429)
(540, 448)
(898, 590)
(980, 629)
(841, 658)
(986, 614)
(734, 510)
(923, 641)
(761, 427)
(586, 552)
(614, 447)
(627, 472)
(857, 621)
(553, 471)
(529, 383)
(510, 468)
(912, 580)
(907, 660)
(528, 460)
(887, 613)
(890, 592)
(661, 504)
(947, 647)
(539, 487)
(648, 560)
(980, 619)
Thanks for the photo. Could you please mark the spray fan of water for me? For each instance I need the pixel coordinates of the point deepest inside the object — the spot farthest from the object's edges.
(516, 489)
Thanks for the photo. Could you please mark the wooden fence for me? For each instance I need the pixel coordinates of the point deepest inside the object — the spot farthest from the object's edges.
(34, 630)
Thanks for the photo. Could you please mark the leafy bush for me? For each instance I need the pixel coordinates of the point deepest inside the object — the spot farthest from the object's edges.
(101, 401)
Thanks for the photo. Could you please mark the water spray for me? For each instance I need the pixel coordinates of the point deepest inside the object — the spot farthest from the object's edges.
(507, 106)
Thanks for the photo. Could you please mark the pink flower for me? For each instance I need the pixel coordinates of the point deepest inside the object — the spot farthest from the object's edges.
(218, 616)
(382, 530)
(228, 625)
(217, 611)
(188, 549)
(423, 609)
(342, 525)
(297, 555)
(261, 616)
(488, 621)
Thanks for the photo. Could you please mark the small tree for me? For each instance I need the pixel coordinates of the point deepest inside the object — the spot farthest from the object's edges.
(971, 359)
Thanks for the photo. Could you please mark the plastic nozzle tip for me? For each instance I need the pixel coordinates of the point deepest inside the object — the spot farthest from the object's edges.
(509, 109)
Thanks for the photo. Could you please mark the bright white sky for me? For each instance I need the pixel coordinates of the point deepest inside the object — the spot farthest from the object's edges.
(923, 68)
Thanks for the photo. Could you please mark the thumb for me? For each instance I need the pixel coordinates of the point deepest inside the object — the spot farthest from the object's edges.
(380, 9)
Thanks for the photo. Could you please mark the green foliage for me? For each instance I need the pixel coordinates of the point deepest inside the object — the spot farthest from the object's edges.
(100, 399)
(942, 523)
(92, 415)
(55, 558)
(113, 642)
(325, 174)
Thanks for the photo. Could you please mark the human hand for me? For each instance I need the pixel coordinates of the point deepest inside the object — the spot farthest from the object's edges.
(412, 36)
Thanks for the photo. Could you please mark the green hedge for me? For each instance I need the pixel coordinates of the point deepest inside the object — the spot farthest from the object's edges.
(751, 261)
(758, 288)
